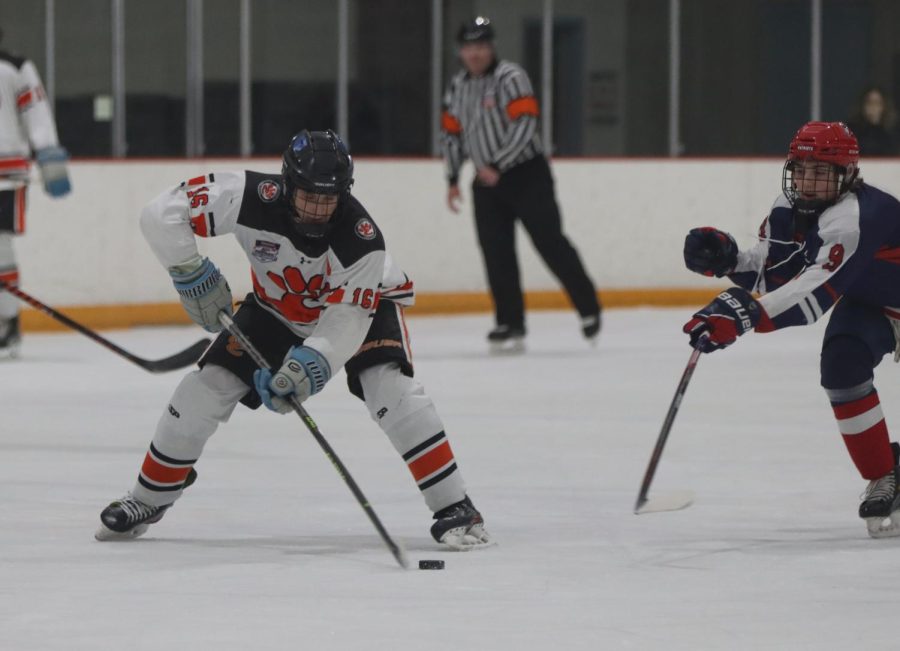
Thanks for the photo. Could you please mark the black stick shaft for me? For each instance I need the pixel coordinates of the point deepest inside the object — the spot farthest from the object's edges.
(666, 428)
(179, 360)
(339, 466)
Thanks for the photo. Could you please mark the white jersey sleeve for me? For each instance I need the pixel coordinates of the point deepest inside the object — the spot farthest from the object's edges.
(34, 109)
(344, 323)
(203, 206)
(809, 292)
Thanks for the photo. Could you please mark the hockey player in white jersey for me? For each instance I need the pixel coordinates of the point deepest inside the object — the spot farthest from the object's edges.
(27, 132)
(325, 295)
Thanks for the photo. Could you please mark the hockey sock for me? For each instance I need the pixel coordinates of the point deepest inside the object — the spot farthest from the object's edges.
(862, 426)
(9, 273)
(202, 400)
(407, 415)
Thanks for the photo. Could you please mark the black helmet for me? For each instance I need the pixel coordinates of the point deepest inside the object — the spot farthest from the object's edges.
(317, 161)
(477, 29)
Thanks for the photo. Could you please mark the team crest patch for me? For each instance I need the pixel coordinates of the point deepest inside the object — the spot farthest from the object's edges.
(265, 251)
(365, 229)
(268, 191)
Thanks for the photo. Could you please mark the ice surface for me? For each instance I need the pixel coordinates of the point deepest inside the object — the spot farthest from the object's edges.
(269, 550)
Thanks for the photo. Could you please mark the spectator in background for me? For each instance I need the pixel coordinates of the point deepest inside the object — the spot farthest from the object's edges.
(27, 131)
(491, 116)
(873, 122)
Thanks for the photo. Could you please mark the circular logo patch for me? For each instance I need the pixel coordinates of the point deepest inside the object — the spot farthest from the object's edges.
(268, 191)
(365, 229)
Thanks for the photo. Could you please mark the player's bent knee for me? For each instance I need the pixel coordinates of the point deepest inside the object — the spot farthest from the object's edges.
(392, 396)
(202, 400)
(846, 362)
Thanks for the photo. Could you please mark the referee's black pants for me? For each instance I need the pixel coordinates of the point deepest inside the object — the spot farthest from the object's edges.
(526, 192)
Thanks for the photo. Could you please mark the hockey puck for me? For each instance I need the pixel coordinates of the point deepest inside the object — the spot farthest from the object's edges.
(431, 565)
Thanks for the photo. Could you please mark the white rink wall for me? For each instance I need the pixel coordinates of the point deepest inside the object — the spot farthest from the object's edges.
(627, 217)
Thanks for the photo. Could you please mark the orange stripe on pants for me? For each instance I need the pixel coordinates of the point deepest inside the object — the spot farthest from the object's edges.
(19, 214)
(431, 461)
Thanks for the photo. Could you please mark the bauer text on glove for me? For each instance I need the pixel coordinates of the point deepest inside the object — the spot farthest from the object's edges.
(710, 252)
(303, 374)
(727, 317)
(204, 292)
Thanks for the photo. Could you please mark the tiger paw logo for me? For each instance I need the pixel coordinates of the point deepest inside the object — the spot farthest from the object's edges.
(302, 299)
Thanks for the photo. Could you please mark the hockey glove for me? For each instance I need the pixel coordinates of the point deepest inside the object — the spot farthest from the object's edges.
(710, 252)
(303, 374)
(727, 317)
(204, 292)
(52, 162)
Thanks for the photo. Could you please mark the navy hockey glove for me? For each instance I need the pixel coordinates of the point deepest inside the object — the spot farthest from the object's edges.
(710, 252)
(52, 161)
(303, 374)
(727, 317)
(204, 292)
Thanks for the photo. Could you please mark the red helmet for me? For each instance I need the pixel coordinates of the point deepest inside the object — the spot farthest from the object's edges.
(827, 142)
(831, 142)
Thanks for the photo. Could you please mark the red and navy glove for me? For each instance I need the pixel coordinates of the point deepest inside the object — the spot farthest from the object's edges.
(710, 252)
(727, 317)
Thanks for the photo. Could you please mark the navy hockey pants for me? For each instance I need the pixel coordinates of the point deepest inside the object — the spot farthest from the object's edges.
(857, 337)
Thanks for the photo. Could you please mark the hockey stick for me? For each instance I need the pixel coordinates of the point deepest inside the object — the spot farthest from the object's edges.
(677, 500)
(179, 360)
(260, 361)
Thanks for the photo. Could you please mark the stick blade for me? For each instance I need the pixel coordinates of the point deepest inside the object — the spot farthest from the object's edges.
(671, 501)
(186, 357)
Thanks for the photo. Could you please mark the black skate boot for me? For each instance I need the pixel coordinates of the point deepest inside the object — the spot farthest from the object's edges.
(10, 337)
(590, 327)
(128, 518)
(880, 505)
(507, 339)
(460, 526)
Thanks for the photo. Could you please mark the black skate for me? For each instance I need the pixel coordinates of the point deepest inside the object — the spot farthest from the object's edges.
(129, 518)
(880, 505)
(460, 526)
(506, 339)
(590, 327)
(10, 338)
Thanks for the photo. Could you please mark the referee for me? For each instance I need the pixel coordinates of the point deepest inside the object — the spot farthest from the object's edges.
(491, 116)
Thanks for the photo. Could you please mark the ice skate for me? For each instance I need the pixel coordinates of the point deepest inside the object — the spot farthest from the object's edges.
(10, 338)
(590, 327)
(460, 527)
(880, 507)
(506, 340)
(129, 518)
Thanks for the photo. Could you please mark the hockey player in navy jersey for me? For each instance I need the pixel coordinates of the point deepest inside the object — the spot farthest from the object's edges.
(830, 241)
(325, 295)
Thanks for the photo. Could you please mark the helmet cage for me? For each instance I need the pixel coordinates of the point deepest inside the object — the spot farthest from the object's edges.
(823, 187)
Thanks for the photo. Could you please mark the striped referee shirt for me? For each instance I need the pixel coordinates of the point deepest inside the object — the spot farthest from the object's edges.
(491, 119)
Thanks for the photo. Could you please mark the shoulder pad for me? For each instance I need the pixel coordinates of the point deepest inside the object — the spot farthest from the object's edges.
(354, 233)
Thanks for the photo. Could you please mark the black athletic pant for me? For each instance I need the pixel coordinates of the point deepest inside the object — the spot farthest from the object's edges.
(526, 192)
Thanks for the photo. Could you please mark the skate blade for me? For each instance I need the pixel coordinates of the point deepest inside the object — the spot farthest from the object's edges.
(462, 540)
(511, 347)
(105, 534)
(883, 527)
